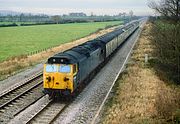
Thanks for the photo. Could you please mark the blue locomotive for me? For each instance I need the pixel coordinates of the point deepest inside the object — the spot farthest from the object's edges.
(66, 71)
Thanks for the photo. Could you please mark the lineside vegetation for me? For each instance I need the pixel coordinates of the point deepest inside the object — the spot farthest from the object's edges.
(143, 94)
(166, 37)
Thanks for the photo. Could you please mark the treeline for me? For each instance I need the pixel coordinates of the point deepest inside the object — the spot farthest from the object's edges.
(29, 19)
(166, 37)
(58, 18)
(52, 22)
(24, 18)
(168, 9)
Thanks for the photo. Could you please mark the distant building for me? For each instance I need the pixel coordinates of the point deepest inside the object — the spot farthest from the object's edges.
(77, 14)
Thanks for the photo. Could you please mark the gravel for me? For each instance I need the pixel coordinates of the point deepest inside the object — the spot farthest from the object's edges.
(24, 116)
(17, 105)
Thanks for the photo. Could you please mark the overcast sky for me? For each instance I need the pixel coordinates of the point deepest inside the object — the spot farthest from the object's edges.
(98, 7)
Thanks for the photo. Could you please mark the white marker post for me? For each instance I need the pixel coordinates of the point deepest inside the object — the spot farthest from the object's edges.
(146, 58)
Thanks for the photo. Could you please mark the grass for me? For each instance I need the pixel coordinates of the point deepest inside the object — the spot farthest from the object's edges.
(140, 95)
(15, 41)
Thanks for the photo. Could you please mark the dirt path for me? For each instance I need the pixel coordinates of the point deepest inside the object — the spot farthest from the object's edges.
(11, 67)
(140, 94)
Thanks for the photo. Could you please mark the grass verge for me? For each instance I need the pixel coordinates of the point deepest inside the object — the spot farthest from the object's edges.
(141, 95)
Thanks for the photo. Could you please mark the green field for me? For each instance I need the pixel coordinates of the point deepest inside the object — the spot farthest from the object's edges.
(16, 41)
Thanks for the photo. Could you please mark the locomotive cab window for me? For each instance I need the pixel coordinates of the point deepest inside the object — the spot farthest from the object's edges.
(65, 68)
(51, 68)
(74, 69)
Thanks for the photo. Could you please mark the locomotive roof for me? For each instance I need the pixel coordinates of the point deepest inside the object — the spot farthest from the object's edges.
(61, 58)
(75, 54)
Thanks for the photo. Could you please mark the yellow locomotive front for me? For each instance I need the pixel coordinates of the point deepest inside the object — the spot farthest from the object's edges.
(59, 78)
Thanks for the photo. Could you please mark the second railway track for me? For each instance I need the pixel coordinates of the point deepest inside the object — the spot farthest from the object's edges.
(19, 98)
(48, 113)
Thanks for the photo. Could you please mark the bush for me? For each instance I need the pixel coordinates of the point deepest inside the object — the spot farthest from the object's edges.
(167, 41)
(8, 25)
(45, 23)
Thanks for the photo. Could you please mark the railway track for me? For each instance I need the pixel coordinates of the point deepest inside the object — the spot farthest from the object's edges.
(20, 85)
(48, 113)
(15, 100)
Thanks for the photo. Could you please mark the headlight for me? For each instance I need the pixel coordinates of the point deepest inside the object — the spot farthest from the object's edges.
(66, 79)
(48, 78)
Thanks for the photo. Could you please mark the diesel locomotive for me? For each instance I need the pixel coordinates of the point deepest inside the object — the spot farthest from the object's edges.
(66, 71)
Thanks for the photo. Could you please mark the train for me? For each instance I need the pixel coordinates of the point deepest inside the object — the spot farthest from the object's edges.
(64, 72)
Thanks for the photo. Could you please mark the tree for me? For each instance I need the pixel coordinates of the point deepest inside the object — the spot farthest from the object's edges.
(131, 14)
(56, 19)
(21, 17)
(124, 14)
(167, 8)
